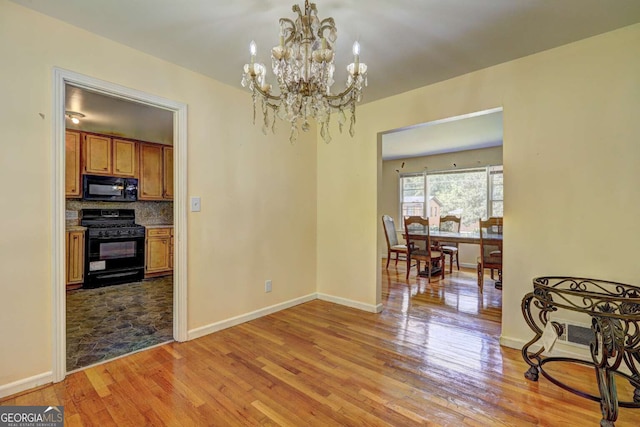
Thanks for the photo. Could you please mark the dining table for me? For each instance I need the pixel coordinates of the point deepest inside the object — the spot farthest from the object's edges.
(471, 237)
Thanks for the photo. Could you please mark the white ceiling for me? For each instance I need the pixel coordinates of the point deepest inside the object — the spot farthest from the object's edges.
(406, 43)
(114, 116)
(472, 131)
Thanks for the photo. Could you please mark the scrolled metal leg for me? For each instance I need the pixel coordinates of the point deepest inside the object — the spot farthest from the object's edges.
(608, 397)
(636, 391)
(532, 373)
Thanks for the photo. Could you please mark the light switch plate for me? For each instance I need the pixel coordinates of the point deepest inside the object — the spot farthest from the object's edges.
(195, 204)
(71, 214)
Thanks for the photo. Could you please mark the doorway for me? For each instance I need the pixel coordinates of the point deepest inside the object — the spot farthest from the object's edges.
(120, 294)
(62, 78)
(450, 166)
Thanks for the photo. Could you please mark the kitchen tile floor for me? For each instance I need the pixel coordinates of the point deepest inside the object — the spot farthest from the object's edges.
(108, 322)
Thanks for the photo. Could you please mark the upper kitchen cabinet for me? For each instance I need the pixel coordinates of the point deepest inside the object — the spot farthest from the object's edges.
(125, 158)
(72, 165)
(109, 156)
(167, 170)
(156, 172)
(97, 155)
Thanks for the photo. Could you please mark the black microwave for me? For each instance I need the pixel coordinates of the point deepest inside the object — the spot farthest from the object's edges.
(109, 188)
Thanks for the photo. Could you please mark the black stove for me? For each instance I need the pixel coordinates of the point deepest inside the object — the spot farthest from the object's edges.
(115, 247)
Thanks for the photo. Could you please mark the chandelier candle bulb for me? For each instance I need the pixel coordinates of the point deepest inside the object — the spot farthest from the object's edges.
(356, 56)
(253, 50)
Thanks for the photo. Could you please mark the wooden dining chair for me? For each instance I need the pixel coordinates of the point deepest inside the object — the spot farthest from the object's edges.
(390, 234)
(490, 250)
(433, 256)
(450, 223)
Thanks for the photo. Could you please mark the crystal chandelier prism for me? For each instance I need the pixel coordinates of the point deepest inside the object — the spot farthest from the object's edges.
(303, 65)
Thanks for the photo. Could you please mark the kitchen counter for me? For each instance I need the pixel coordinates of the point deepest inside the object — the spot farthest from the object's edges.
(157, 225)
(75, 228)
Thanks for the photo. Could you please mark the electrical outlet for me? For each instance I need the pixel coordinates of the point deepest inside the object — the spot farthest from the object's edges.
(267, 285)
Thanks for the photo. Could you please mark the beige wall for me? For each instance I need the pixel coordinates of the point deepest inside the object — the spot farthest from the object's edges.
(571, 133)
(389, 194)
(258, 218)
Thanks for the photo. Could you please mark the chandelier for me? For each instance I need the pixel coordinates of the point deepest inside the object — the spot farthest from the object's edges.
(303, 65)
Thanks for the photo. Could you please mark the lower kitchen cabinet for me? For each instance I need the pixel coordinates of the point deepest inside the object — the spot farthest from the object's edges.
(159, 251)
(171, 251)
(75, 259)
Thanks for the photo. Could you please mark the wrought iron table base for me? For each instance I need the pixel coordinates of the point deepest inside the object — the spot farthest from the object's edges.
(614, 309)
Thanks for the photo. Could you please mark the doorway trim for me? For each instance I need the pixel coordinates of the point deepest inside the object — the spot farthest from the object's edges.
(61, 77)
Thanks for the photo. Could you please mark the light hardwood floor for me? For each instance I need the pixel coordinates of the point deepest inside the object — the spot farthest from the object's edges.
(431, 357)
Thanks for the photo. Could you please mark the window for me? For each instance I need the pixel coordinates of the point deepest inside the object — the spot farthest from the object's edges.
(470, 193)
(496, 202)
(412, 191)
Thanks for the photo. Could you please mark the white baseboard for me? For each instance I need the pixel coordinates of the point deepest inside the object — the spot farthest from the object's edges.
(227, 323)
(350, 303)
(560, 349)
(26, 384)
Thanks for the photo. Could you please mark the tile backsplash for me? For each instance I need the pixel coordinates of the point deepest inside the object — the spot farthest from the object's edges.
(147, 213)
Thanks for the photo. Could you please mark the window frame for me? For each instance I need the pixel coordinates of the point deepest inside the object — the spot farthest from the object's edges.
(490, 170)
(493, 171)
(401, 214)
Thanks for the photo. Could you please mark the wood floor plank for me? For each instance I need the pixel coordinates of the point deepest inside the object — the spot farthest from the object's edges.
(431, 358)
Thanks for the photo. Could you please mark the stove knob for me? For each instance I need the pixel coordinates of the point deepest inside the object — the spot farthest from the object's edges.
(100, 234)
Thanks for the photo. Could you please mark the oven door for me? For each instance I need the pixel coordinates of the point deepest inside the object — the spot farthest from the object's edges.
(114, 260)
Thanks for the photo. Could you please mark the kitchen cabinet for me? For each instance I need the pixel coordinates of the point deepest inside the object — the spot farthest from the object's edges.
(97, 154)
(171, 251)
(167, 172)
(125, 158)
(103, 155)
(156, 172)
(74, 258)
(158, 251)
(72, 165)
